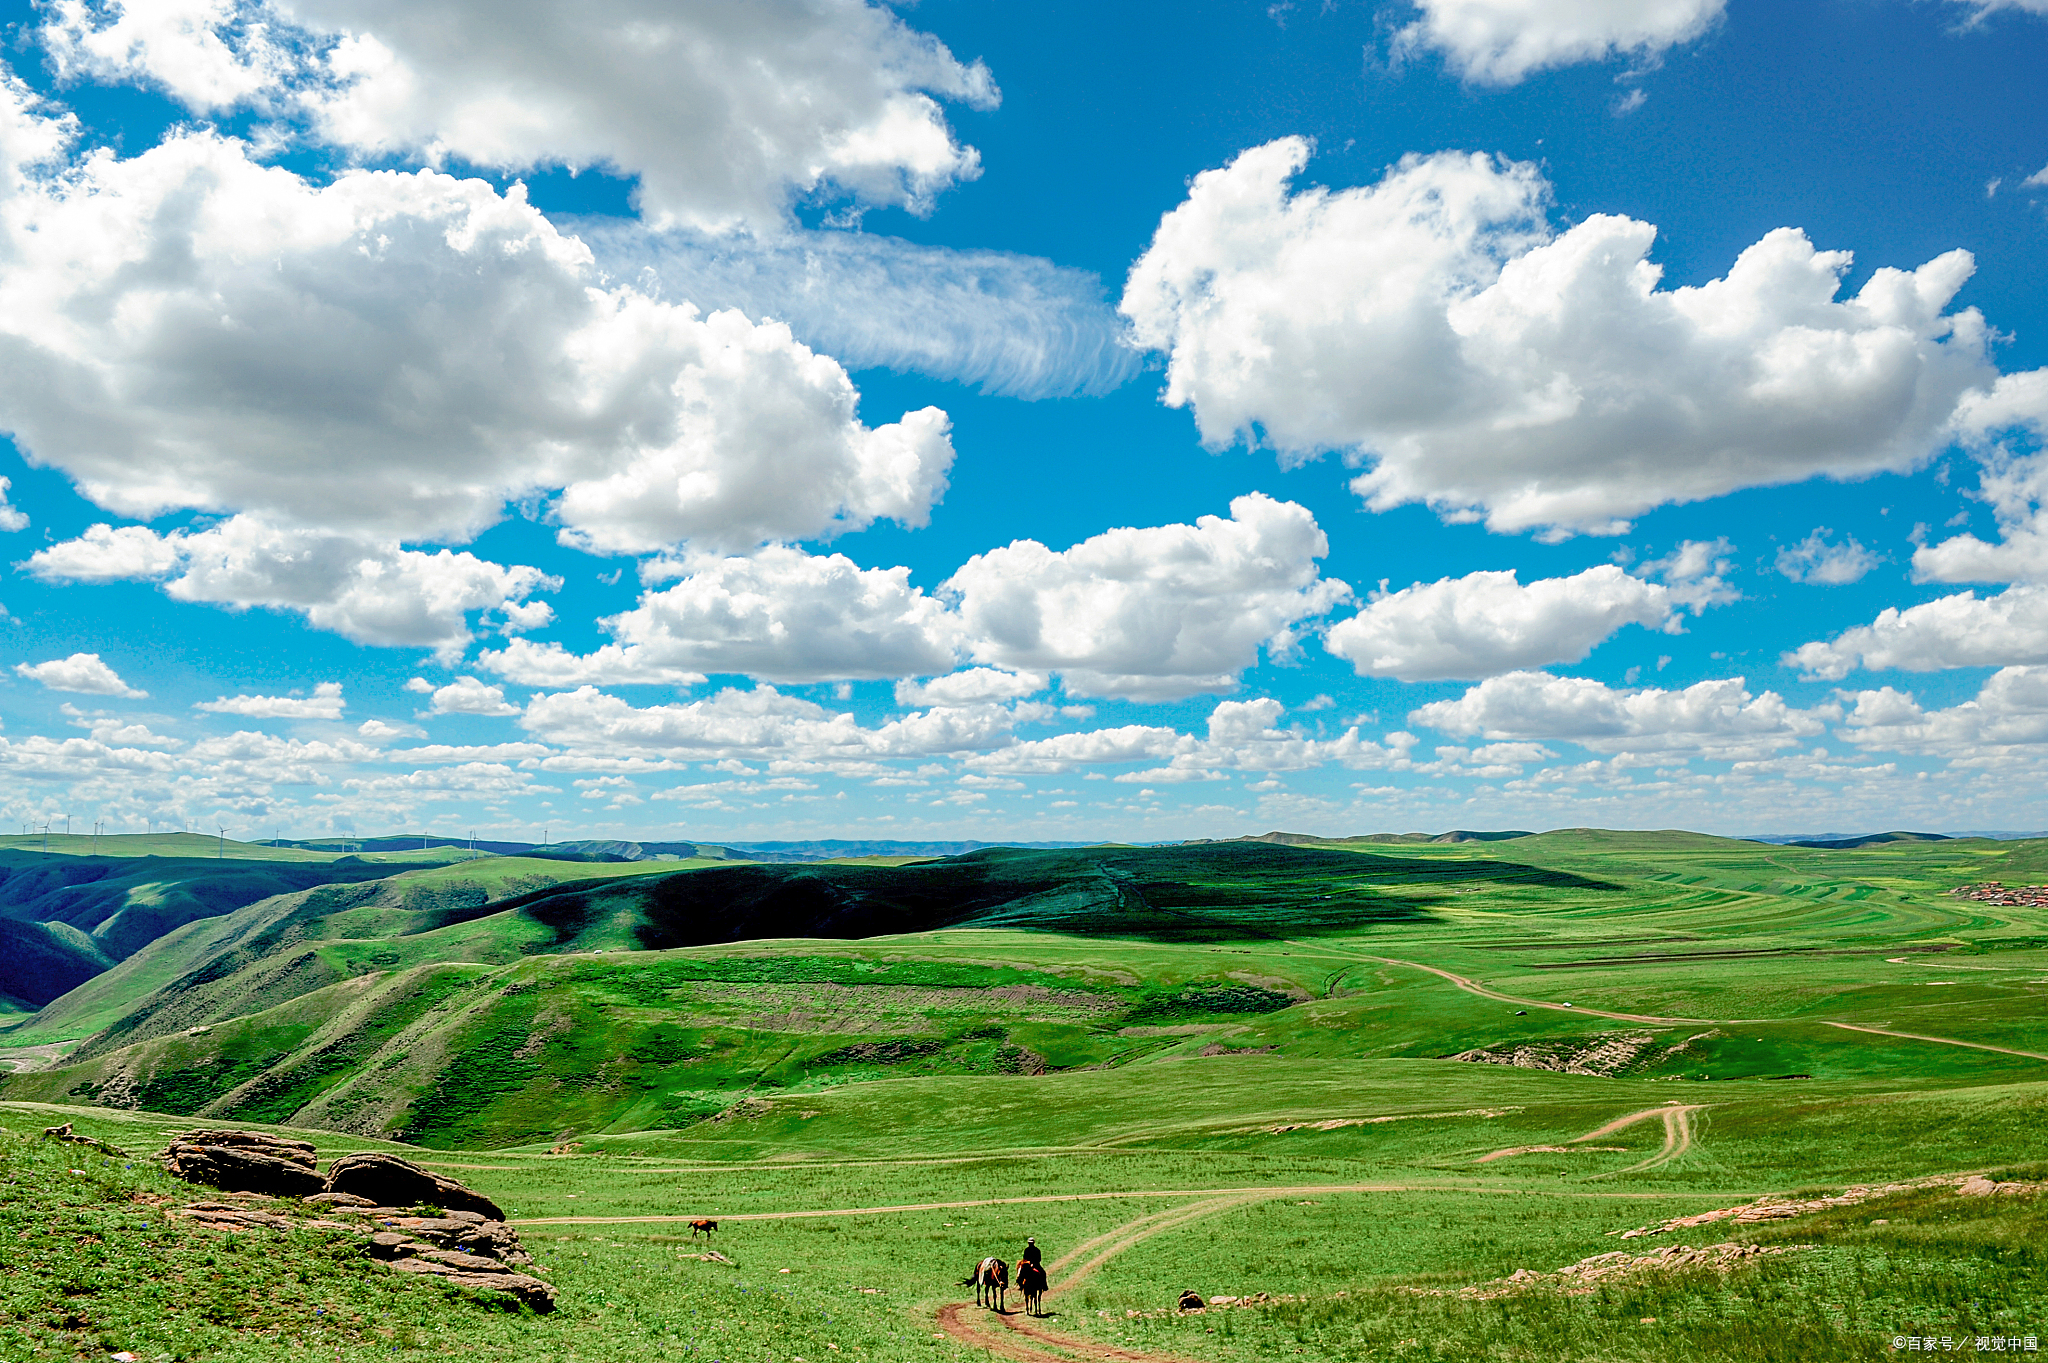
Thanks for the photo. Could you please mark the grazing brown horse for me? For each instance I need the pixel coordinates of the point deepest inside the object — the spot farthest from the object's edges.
(705, 1226)
(991, 1281)
(1031, 1282)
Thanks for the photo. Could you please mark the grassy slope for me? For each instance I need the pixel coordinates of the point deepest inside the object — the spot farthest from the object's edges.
(126, 902)
(1425, 1215)
(1768, 947)
(183, 975)
(41, 961)
(874, 1073)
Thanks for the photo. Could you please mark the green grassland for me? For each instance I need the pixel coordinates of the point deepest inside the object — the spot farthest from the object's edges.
(1303, 1063)
(472, 1004)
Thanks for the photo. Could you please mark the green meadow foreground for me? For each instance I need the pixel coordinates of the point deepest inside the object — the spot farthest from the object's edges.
(1359, 1078)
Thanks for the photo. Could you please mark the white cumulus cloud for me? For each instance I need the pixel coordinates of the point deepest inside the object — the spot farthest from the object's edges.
(2009, 712)
(1486, 623)
(755, 724)
(463, 696)
(1717, 719)
(2002, 425)
(975, 686)
(11, 517)
(723, 114)
(1499, 42)
(779, 614)
(81, 672)
(1963, 630)
(1435, 328)
(395, 355)
(1151, 612)
(376, 593)
(324, 703)
(1818, 559)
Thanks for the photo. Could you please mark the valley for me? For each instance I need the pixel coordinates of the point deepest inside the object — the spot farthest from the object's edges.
(1362, 1078)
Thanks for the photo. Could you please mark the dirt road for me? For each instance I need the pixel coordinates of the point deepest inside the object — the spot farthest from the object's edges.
(1944, 1040)
(1026, 1339)
(1040, 1342)
(976, 1325)
(1232, 1195)
(1474, 987)
(1678, 1135)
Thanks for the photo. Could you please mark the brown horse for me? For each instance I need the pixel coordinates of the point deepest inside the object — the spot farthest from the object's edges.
(1031, 1282)
(705, 1227)
(991, 1281)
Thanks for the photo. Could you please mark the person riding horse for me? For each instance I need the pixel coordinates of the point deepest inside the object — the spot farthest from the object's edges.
(1031, 1282)
(1030, 1254)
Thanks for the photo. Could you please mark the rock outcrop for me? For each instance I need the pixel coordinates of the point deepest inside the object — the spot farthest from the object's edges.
(390, 1181)
(65, 1133)
(244, 1162)
(461, 1248)
(374, 1195)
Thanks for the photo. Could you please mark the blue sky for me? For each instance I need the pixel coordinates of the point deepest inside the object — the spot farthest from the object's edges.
(809, 418)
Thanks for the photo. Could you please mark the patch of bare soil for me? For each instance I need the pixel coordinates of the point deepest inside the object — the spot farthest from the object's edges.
(1784, 1209)
(1584, 1277)
(1023, 1339)
(1608, 1053)
(1333, 1123)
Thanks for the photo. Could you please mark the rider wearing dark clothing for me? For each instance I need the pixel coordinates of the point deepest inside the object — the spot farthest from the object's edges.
(1030, 1254)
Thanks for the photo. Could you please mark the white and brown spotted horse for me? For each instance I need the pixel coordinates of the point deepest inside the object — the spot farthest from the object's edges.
(991, 1281)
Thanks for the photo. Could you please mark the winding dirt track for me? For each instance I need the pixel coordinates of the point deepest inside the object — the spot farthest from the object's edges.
(1043, 1344)
(1230, 1196)
(1944, 1040)
(1219, 1195)
(1678, 1134)
(962, 1321)
(1474, 987)
(1028, 1340)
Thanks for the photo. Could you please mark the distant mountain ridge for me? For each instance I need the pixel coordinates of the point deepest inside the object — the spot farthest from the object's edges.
(627, 849)
(1840, 842)
(1316, 840)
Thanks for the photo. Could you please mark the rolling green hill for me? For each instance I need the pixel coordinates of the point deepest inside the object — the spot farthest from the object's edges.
(493, 1002)
(125, 903)
(1361, 1076)
(41, 961)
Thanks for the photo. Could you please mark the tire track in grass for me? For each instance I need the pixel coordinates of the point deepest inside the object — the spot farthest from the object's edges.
(1045, 1345)
(1944, 1040)
(1253, 1194)
(956, 1318)
(1474, 987)
(1471, 986)
(1133, 1233)
(1677, 1119)
(1677, 1138)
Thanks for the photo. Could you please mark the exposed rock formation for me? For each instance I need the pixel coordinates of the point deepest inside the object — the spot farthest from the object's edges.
(65, 1133)
(368, 1194)
(462, 1249)
(244, 1162)
(390, 1181)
